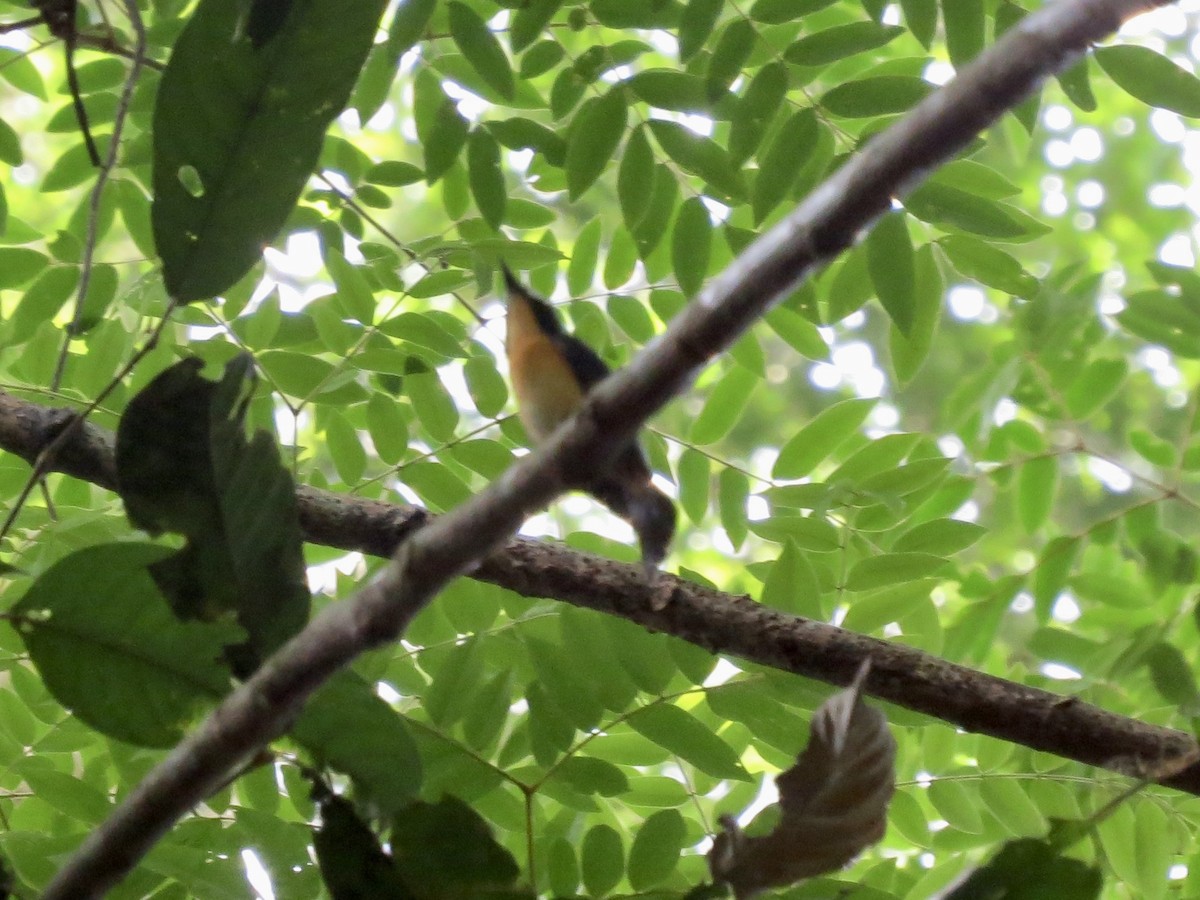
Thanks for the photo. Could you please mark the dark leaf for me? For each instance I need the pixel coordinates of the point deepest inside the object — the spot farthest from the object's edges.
(226, 181)
(184, 465)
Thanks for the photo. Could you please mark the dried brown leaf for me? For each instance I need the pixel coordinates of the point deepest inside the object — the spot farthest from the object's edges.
(833, 801)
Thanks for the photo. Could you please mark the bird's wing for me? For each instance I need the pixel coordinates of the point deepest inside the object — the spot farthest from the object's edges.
(588, 368)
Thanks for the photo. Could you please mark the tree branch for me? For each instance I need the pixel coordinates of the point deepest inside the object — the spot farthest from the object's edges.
(824, 224)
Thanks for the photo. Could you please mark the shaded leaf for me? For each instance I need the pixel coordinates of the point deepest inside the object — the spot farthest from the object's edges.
(184, 465)
(109, 649)
(347, 726)
(1029, 869)
(656, 848)
(595, 135)
(266, 110)
(352, 862)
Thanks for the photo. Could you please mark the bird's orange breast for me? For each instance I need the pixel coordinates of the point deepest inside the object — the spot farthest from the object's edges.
(546, 388)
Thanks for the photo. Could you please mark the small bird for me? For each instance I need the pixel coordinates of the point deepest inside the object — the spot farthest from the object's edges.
(551, 372)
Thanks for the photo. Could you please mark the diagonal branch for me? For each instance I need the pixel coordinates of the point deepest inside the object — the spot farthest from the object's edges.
(717, 621)
(824, 224)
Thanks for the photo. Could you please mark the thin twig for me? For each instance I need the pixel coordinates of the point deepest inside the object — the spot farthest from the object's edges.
(42, 465)
(102, 177)
(45, 460)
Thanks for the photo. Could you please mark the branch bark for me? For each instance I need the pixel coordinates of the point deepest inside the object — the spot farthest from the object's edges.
(465, 539)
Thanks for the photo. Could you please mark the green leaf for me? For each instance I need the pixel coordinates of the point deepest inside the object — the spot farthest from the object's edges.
(68, 795)
(352, 862)
(691, 242)
(1151, 77)
(74, 167)
(693, 478)
(656, 848)
(778, 171)
(964, 23)
(696, 24)
(10, 145)
(19, 264)
(841, 41)
(876, 96)
(541, 58)
(890, 262)
(1076, 84)
(655, 223)
(486, 178)
(345, 446)
(353, 292)
(941, 536)
(1023, 864)
(800, 334)
(908, 353)
(724, 406)
(729, 57)
(621, 261)
(681, 733)
(1037, 484)
(596, 133)
(448, 849)
(635, 178)
(808, 532)
(388, 430)
(820, 437)
(1095, 385)
(872, 610)
(701, 156)
(988, 265)
(921, 17)
(792, 584)
(944, 205)
(481, 49)
(602, 860)
(17, 68)
(892, 568)
(958, 804)
(433, 404)
(266, 110)
(374, 83)
(674, 91)
(347, 726)
(185, 465)
(584, 255)
(733, 489)
(487, 387)
(760, 103)
(441, 129)
(637, 13)
(1111, 590)
(775, 12)
(109, 649)
(529, 21)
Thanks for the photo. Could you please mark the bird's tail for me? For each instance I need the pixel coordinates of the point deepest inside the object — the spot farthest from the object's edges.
(633, 497)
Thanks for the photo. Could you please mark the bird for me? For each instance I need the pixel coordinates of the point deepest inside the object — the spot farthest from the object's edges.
(551, 373)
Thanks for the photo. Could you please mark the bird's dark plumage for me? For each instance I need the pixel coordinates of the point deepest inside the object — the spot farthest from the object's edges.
(551, 372)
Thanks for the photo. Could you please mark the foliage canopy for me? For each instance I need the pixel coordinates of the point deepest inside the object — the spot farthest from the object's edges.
(972, 434)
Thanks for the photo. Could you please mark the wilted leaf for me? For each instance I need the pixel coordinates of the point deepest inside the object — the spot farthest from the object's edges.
(833, 801)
